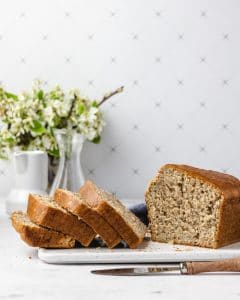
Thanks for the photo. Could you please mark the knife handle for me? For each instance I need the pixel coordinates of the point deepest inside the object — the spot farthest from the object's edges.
(225, 265)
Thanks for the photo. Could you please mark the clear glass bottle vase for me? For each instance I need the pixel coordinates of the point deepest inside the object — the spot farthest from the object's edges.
(69, 174)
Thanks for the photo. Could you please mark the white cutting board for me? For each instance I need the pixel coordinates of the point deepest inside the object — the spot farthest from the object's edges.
(148, 252)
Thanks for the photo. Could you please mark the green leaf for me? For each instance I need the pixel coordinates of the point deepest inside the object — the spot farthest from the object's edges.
(10, 95)
(38, 127)
(95, 104)
(57, 120)
(96, 140)
(53, 95)
(40, 95)
(9, 140)
(81, 108)
(54, 152)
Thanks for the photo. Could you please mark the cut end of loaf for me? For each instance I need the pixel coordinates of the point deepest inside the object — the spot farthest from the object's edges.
(183, 209)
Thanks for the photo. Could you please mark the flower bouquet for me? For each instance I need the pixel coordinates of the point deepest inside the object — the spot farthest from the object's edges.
(28, 120)
(54, 121)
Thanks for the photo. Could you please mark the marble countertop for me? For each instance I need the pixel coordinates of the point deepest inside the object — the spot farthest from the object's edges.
(24, 276)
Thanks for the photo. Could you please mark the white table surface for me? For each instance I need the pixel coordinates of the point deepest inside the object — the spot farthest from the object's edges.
(24, 276)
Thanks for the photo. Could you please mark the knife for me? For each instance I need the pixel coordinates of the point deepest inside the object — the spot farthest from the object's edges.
(185, 268)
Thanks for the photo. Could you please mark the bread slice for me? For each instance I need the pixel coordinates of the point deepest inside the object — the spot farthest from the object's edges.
(78, 206)
(130, 228)
(44, 211)
(192, 206)
(38, 236)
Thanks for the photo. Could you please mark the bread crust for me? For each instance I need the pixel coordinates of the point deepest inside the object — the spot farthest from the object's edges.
(228, 230)
(227, 184)
(59, 219)
(77, 206)
(116, 220)
(37, 236)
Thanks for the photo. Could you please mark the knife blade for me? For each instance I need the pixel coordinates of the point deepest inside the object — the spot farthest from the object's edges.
(186, 268)
(138, 271)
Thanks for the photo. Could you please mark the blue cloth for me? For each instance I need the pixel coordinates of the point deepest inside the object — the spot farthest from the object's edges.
(140, 210)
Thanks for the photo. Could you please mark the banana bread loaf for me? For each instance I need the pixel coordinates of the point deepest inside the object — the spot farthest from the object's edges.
(38, 236)
(187, 205)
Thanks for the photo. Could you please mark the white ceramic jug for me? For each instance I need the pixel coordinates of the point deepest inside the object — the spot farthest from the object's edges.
(31, 176)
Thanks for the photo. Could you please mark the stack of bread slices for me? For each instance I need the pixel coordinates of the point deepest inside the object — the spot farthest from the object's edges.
(60, 221)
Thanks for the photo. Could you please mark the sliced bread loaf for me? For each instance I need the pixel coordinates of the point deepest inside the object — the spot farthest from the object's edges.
(187, 205)
(38, 236)
(78, 206)
(44, 211)
(130, 228)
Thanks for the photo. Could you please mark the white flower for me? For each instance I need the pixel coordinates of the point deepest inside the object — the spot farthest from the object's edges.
(61, 108)
(91, 134)
(92, 114)
(31, 117)
(46, 141)
(48, 115)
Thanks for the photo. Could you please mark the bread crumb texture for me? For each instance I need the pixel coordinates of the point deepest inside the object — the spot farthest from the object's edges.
(183, 209)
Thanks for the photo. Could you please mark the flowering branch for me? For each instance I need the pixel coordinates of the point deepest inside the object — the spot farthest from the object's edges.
(28, 120)
(109, 95)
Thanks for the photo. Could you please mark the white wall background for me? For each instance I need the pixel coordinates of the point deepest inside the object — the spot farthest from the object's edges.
(178, 60)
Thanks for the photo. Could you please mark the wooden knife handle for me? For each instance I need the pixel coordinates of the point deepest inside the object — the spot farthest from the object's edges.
(225, 265)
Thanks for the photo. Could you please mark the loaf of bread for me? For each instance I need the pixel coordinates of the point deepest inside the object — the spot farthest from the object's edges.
(130, 228)
(44, 211)
(78, 206)
(38, 236)
(191, 206)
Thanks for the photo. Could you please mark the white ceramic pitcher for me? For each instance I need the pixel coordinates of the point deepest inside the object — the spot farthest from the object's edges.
(31, 176)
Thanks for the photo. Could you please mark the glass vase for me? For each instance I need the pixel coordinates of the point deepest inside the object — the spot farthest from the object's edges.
(69, 174)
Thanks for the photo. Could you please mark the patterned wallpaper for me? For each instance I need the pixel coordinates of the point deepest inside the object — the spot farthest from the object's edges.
(179, 63)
